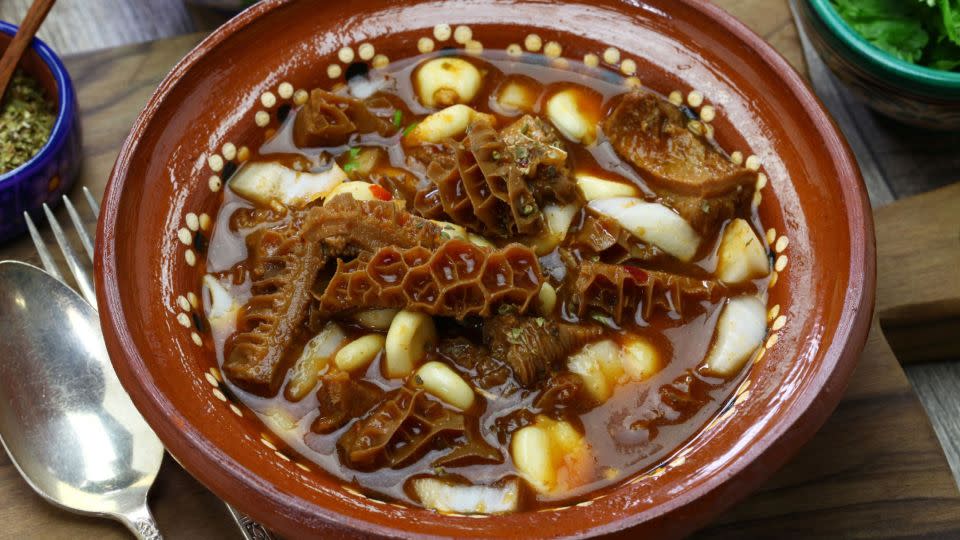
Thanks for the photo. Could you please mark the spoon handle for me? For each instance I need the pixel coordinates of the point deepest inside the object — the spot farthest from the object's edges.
(141, 523)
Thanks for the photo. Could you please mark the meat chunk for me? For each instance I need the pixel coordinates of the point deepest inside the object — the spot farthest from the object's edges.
(406, 425)
(562, 390)
(534, 346)
(602, 236)
(483, 369)
(341, 399)
(456, 279)
(283, 272)
(540, 155)
(328, 119)
(369, 225)
(688, 172)
(621, 291)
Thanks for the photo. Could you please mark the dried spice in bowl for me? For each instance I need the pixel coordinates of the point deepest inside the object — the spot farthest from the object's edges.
(26, 120)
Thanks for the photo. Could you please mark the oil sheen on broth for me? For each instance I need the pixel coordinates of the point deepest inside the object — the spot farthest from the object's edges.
(483, 284)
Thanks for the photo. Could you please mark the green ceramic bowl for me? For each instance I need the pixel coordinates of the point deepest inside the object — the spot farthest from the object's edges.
(907, 92)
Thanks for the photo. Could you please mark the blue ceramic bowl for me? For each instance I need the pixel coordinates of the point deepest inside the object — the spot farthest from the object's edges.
(53, 170)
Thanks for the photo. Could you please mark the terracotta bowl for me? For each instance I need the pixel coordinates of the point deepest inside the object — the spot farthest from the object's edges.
(225, 94)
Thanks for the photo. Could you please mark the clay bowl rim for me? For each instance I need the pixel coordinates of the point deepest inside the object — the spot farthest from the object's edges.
(798, 423)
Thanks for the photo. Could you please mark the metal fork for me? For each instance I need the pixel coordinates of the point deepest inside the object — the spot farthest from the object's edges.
(79, 268)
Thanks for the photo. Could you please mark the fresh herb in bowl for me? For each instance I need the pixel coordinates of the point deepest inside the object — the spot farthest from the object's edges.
(923, 32)
(26, 120)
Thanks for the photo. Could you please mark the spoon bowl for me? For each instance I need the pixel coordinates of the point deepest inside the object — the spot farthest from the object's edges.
(67, 424)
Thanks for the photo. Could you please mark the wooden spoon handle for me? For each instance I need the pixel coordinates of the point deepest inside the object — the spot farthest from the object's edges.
(28, 28)
(918, 275)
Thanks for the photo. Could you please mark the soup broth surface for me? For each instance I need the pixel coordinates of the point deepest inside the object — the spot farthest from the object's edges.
(625, 370)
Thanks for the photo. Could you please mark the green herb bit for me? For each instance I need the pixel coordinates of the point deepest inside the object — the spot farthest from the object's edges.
(398, 118)
(603, 319)
(26, 120)
(514, 335)
(409, 128)
(351, 166)
(354, 152)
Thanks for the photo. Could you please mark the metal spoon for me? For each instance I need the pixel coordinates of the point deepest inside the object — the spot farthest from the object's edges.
(66, 423)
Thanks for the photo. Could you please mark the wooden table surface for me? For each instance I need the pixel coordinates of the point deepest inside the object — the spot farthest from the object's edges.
(875, 470)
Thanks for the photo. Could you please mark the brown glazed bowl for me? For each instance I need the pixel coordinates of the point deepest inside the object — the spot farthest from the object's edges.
(241, 76)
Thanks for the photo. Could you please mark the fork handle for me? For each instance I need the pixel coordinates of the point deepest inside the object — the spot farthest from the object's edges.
(250, 529)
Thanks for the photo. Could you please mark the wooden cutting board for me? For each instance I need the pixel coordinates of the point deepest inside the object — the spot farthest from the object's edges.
(876, 469)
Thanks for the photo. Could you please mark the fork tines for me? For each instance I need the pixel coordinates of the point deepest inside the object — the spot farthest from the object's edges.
(78, 267)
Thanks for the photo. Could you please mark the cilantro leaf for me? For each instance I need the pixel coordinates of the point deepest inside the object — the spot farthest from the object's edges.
(925, 32)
